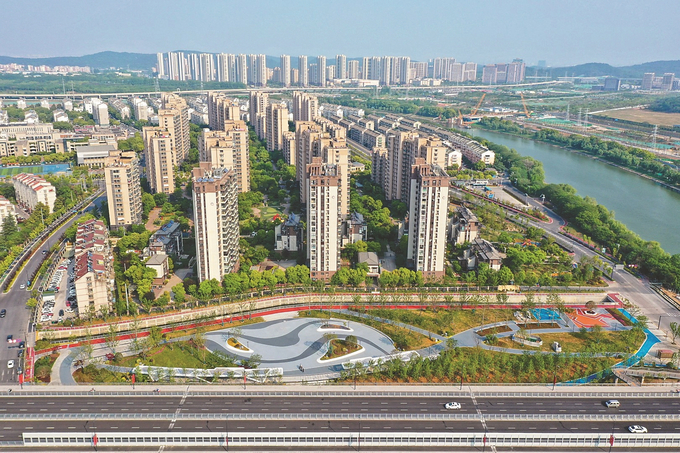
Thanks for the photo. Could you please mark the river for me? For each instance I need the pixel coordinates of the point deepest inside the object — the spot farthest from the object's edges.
(643, 206)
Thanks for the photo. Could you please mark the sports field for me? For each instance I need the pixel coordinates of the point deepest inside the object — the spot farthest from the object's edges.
(644, 116)
(10, 171)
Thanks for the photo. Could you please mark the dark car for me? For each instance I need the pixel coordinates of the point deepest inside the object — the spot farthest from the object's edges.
(20, 353)
(22, 345)
(9, 338)
(3, 313)
(61, 312)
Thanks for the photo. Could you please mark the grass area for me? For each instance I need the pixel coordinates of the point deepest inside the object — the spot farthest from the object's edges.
(43, 367)
(168, 355)
(444, 321)
(94, 375)
(624, 341)
(404, 339)
(203, 329)
(268, 212)
(476, 365)
(539, 325)
(616, 313)
(340, 348)
(645, 116)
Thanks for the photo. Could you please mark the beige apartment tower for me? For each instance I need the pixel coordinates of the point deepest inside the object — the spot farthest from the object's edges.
(159, 153)
(277, 124)
(220, 109)
(258, 113)
(305, 106)
(174, 117)
(228, 149)
(323, 219)
(428, 219)
(123, 192)
(215, 198)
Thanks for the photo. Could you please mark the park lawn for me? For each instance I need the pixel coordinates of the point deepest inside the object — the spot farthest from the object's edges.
(167, 355)
(621, 341)
(268, 212)
(212, 327)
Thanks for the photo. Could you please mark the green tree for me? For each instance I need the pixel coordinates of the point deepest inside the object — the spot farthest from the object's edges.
(180, 293)
(32, 303)
(155, 336)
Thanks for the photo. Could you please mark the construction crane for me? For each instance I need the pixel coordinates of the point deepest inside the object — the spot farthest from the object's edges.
(479, 104)
(524, 103)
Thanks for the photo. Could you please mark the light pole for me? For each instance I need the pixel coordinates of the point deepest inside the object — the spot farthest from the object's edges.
(662, 316)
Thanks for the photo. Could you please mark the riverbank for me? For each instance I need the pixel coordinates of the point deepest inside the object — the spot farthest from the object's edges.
(515, 131)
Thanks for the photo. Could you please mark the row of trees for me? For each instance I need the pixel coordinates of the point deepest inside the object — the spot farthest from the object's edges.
(590, 218)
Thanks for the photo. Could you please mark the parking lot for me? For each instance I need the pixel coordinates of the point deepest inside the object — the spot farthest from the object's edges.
(62, 306)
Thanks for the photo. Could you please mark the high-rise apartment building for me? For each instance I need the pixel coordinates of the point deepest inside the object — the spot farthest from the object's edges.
(353, 69)
(419, 69)
(177, 69)
(516, 71)
(242, 69)
(161, 65)
(123, 192)
(159, 154)
(277, 124)
(207, 63)
(173, 116)
(667, 81)
(402, 150)
(428, 218)
(321, 68)
(386, 71)
(289, 148)
(258, 113)
(305, 106)
(228, 148)
(220, 109)
(340, 67)
(100, 112)
(215, 197)
(323, 219)
(285, 70)
(303, 72)
(365, 66)
(648, 80)
(226, 67)
(490, 74)
(470, 72)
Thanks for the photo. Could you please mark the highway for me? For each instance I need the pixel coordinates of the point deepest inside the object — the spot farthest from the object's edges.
(160, 404)
(126, 413)
(14, 301)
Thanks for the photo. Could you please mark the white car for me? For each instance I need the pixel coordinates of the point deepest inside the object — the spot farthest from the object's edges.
(10, 364)
(637, 429)
(452, 405)
(22, 287)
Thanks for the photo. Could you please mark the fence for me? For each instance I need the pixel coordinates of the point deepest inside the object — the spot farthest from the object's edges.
(354, 440)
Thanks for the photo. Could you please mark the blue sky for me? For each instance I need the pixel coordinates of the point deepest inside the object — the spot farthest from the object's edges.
(565, 32)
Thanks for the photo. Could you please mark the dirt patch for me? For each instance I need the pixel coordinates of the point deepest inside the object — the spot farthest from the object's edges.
(153, 215)
(645, 116)
(493, 330)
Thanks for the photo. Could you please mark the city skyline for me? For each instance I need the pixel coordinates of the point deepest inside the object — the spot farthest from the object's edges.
(561, 34)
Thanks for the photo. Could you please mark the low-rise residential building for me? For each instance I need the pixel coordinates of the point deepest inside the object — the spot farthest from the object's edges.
(454, 158)
(93, 269)
(354, 229)
(6, 210)
(464, 226)
(482, 251)
(288, 235)
(31, 190)
(94, 155)
(167, 240)
(372, 261)
(159, 263)
(60, 116)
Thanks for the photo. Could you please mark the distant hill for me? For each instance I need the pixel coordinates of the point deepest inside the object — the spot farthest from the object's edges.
(101, 60)
(603, 69)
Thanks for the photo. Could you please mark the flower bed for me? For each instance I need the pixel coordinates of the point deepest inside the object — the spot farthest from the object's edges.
(493, 330)
(528, 340)
(234, 343)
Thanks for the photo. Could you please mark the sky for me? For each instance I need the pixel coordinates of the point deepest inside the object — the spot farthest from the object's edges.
(562, 32)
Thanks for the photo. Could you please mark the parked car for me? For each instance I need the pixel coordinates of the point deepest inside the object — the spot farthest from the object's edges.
(3, 313)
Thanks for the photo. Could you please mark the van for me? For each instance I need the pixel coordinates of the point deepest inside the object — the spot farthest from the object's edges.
(612, 403)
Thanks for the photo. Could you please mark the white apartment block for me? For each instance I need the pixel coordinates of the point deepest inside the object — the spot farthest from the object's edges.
(31, 190)
(215, 198)
(6, 210)
(277, 124)
(123, 190)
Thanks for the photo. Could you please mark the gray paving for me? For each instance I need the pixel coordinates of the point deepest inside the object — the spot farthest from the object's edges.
(294, 343)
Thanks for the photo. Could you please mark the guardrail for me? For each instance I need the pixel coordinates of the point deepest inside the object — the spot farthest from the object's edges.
(342, 416)
(351, 439)
(449, 394)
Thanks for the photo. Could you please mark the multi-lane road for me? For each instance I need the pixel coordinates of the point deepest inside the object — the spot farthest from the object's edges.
(14, 301)
(281, 413)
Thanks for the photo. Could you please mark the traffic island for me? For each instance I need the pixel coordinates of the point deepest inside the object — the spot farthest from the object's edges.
(340, 349)
(236, 346)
